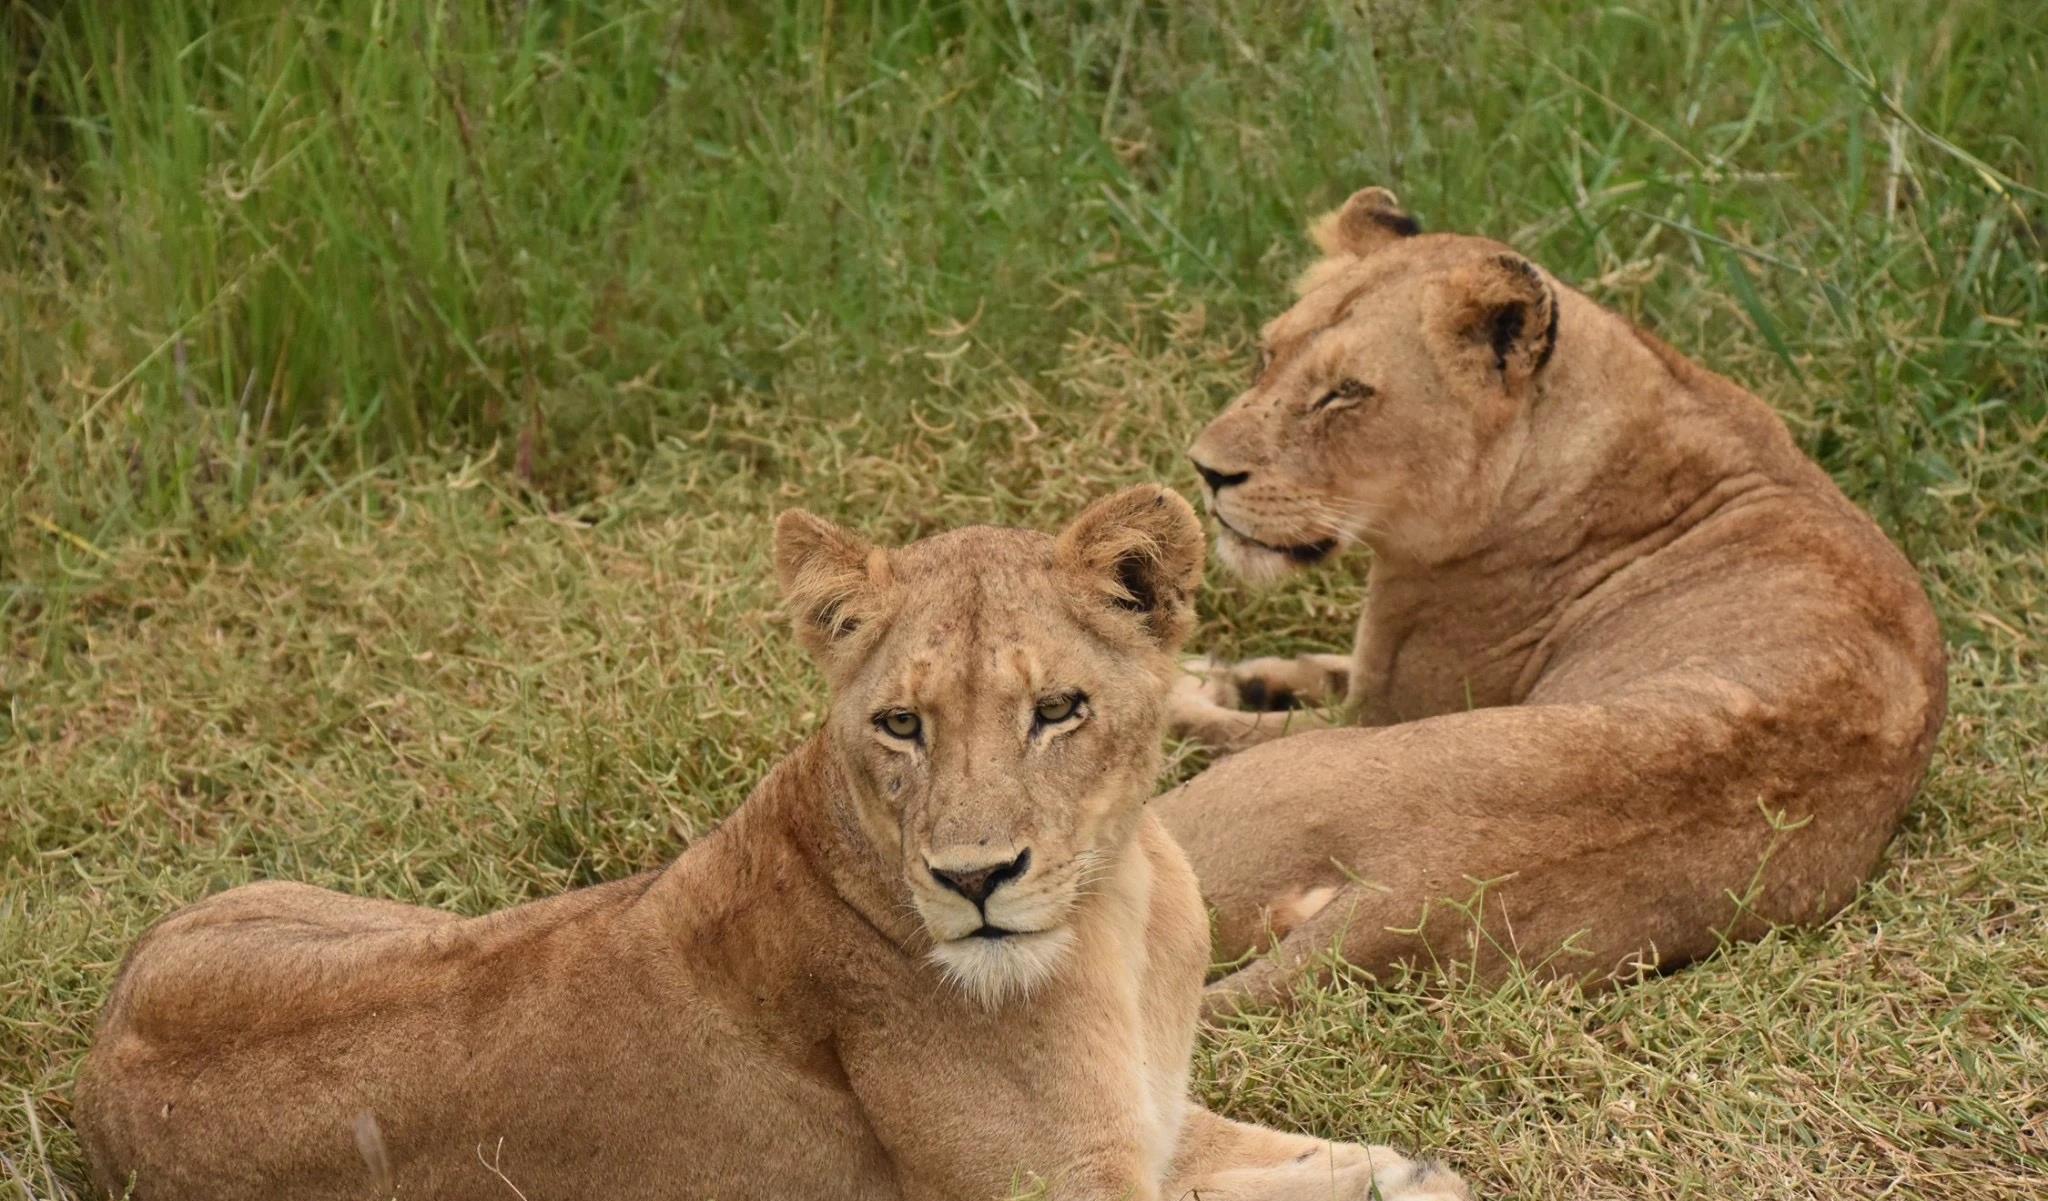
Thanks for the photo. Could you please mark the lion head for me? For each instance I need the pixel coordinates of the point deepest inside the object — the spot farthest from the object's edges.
(998, 698)
(1388, 404)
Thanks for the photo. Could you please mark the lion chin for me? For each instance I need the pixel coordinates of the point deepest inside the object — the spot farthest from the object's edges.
(993, 971)
(1254, 562)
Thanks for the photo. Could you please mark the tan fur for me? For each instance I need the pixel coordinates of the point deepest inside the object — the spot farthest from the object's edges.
(789, 1009)
(1629, 659)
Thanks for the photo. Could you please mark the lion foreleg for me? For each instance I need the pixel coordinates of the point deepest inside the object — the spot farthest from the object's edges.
(1222, 1160)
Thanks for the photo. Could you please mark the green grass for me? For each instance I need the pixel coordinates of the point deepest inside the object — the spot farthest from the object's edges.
(396, 396)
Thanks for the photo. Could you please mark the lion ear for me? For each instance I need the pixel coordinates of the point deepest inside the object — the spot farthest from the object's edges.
(1369, 220)
(1139, 550)
(1496, 318)
(829, 577)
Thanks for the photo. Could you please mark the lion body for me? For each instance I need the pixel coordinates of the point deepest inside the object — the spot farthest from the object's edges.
(723, 1028)
(768, 1016)
(1657, 685)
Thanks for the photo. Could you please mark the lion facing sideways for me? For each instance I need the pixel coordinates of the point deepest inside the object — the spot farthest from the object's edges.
(942, 951)
(1633, 676)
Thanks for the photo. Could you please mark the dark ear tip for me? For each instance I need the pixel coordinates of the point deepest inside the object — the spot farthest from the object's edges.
(1379, 206)
(1141, 496)
(1520, 266)
(1368, 219)
(1374, 196)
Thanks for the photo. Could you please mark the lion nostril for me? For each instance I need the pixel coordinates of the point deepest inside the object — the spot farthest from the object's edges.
(1218, 480)
(1012, 870)
(978, 884)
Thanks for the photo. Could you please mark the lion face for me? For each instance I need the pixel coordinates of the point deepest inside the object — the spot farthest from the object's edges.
(1387, 404)
(997, 709)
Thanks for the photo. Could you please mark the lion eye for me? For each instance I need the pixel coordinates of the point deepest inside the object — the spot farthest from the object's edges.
(900, 723)
(1346, 393)
(1055, 709)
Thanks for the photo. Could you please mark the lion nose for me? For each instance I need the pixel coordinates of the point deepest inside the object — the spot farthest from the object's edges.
(977, 883)
(1218, 480)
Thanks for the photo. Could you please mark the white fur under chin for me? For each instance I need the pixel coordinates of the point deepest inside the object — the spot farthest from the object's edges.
(1252, 564)
(995, 970)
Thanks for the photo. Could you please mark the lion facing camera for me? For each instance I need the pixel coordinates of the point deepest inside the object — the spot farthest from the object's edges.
(943, 951)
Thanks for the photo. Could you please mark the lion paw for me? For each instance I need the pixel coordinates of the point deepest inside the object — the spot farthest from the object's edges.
(1201, 694)
(1422, 1180)
(1212, 680)
(1269, 684)
(1385, 1174)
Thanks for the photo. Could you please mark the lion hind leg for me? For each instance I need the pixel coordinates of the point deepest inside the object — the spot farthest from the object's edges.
(1598, 917)
(1305, 927)
(1289, 913)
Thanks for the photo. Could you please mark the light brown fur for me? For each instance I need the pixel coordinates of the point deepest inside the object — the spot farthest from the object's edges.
(790, 1009)
(1629, 659)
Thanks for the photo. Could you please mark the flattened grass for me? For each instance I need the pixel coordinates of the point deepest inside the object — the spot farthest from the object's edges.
(384, 494)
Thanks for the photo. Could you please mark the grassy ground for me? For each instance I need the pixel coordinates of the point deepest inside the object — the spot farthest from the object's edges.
(396, 397)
